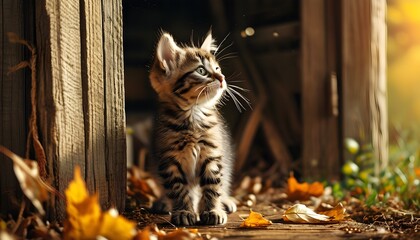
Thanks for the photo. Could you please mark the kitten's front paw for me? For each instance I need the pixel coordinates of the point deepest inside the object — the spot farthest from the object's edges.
(183, 217)
(229, 205)
(213, 217)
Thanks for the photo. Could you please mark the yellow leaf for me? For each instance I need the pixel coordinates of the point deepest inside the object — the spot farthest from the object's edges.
(83, 211)
(116, 227)
(76, 192)
(85, 219)
(299, 213)
(302, 191)
(255, 219)
(27, 173)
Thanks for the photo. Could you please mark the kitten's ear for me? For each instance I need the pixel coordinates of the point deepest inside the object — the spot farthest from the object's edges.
(209, 43)
(167, 51)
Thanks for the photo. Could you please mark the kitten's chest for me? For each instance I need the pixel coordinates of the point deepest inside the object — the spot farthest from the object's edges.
(199, 146)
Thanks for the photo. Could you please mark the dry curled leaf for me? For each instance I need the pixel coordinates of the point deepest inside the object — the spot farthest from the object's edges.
(27, 173)
(338, 213)
(85, 220)
(299, 213)
(255, 220)
(302, 191)
(143, 189)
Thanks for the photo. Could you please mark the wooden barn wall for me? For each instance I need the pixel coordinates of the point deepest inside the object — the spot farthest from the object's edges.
(320, 126)
(82, 116)
(15, 16)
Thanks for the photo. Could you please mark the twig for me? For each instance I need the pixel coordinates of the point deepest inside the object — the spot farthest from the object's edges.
(20, 218)
(33, 127)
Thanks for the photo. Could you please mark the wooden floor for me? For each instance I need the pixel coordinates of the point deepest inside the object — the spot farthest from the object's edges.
(282, 230)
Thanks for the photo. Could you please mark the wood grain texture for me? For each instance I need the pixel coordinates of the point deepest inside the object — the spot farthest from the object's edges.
(62, 122)
(82, 96)
(13, 125)
(364, 75)
(114, 101)
(378, 85)
(320, 128)
(93, 97)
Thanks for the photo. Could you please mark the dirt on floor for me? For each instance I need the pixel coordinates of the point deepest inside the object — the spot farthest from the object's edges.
(372, 226)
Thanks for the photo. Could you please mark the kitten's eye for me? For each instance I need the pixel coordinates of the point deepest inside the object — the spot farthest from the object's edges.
(217, 68)
(201, 71)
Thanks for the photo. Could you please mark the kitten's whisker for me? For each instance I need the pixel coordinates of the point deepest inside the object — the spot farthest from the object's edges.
(199, 88)
(220, 44)
(228, 46)
(235, 100)
(227, 55)
(233, 75)
(241, 96)
(240, 88)
(199, 94)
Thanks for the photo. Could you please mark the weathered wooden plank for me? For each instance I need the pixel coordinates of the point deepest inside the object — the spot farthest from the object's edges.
(93, 97)
(320, 129)
(114, 102)
(82, 96)
(13, 125)
(61, 121)
(378, 85)
(364, 75)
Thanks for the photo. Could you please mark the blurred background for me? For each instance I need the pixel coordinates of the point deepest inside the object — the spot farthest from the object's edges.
(299, 120)
(403, 49)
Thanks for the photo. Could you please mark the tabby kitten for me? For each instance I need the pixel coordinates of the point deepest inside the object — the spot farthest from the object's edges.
(191, 143)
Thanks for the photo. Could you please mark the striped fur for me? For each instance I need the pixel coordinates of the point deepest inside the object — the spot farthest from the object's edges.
(191, 144)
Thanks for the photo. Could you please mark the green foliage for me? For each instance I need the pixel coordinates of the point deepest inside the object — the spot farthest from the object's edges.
(400, 180)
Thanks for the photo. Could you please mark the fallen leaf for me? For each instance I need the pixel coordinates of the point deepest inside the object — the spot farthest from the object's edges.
(299, 213)
(338, 213)
(417, 171)
(27, 173)
(116, 227)
(302, 191)
(6, 236)
(255, 220)
(142, 188)
(85, 220)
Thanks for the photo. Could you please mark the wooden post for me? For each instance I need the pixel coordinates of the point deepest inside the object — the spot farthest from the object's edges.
(320, 157)
(82, 96)
(364, 75)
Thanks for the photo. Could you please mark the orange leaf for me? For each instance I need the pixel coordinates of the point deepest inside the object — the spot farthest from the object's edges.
(338, 213)
(255, 219)
(302, 191)
(417, 171)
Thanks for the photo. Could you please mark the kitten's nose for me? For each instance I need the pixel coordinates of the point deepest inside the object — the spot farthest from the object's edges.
(219, 77)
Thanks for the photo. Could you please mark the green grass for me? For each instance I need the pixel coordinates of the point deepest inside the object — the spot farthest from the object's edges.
(398, 183)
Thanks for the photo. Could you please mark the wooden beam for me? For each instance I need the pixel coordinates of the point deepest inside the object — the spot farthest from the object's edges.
(364, 75)
(114, 102)
(82, 96)
(320, 127)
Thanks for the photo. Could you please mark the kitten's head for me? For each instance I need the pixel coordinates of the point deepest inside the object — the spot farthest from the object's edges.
(187, 76)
